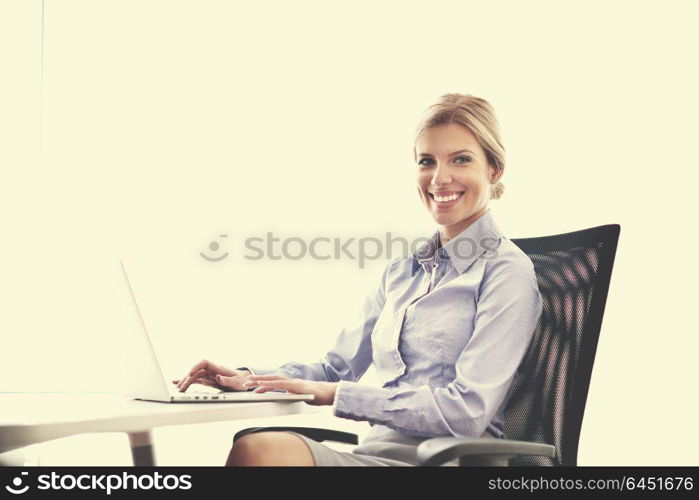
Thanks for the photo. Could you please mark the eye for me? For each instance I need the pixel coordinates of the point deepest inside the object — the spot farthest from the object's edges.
(467, 158)
(423, 164)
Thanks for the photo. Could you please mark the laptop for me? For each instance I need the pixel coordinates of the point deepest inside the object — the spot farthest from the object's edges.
(144, 379)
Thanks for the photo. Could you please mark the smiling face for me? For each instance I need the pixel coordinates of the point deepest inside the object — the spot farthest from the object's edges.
(453, 177)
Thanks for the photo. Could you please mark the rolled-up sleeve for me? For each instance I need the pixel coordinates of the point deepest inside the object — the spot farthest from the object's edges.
(508, 309)
(351, 355)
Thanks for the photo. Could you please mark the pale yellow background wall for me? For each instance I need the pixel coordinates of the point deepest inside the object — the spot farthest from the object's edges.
(166, 123)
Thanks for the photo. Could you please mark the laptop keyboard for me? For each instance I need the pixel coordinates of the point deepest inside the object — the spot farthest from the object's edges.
(208, 395)
(177, 392)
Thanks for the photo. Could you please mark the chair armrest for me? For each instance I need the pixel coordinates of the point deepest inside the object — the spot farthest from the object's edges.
(478, 451)
(311, 432)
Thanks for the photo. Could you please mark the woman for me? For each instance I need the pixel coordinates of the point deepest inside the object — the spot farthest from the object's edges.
(446, 327)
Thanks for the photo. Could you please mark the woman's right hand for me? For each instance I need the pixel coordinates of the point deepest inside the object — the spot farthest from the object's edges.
(213, 375)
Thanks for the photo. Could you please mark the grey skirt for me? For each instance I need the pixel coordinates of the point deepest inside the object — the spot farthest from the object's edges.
(381, 447)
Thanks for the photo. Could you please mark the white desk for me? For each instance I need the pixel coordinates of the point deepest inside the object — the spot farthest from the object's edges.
(29, 418)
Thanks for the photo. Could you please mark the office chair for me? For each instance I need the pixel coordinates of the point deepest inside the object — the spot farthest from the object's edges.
(544, 414)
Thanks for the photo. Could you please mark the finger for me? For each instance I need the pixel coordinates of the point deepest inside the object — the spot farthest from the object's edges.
(200, 373)
(191, 380)
(182, 381)
(207, 382)
(203, 373)
(271, 376)
(251, 382)
(287, 385)
(269, 389)
(207, 365)
(229, 382)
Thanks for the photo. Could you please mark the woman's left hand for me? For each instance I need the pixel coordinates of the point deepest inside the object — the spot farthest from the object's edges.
(324, 392)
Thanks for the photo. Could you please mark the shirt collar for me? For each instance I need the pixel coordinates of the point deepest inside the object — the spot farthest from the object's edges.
(483, 234)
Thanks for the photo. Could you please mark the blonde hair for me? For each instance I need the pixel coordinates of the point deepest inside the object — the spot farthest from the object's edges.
(478, 116)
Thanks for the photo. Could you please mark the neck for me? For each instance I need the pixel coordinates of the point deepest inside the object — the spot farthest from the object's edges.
(447, 233)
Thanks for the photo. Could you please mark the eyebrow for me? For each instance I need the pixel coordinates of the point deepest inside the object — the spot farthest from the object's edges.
(452, 154)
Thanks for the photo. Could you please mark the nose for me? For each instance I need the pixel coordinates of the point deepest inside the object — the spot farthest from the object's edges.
(441, 175)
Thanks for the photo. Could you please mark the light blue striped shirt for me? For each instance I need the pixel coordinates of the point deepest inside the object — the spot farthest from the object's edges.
(446, 332)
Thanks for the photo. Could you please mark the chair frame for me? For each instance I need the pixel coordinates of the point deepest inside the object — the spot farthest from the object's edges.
(476, 451)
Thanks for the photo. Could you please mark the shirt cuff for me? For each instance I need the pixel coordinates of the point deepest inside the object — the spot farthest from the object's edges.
(337, 397)
(358, 402)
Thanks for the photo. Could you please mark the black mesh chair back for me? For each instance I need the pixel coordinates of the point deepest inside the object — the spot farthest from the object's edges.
(549, 391)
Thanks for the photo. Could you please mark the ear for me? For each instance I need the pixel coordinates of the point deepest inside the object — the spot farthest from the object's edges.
(494, 175)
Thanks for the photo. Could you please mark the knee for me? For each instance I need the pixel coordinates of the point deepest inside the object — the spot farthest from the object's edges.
(269, 448)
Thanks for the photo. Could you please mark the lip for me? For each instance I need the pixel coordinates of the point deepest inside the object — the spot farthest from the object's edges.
(444, 193)
(448, 204)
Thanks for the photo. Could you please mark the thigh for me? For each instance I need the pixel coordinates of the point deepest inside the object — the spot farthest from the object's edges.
(326, 456)
(271, 448)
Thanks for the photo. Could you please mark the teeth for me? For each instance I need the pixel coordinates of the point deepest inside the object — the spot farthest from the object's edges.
(443, 199)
